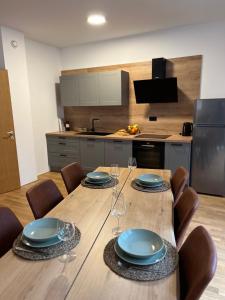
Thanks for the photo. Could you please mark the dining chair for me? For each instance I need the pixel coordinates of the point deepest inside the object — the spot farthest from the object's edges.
(197, 264)
(183, 213)
(10, 227)
(72, 175)
(42, 197)
(178, 182)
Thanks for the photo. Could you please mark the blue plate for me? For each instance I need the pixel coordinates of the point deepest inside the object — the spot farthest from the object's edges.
(99, 182)
(141, 243)
(155, 185)
(150, 179)
(143, 261)
(42, 230)
(98, 176)
(45, 244)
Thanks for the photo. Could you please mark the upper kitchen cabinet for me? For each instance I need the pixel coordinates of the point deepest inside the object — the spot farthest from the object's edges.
(89, 89)
(69, 90)
(95, 89)
(113, 88)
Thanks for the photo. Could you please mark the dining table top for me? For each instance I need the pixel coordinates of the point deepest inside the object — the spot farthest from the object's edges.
(88, 277)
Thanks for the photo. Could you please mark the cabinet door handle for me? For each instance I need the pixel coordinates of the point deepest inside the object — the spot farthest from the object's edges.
(62, 143)
(117, 142)
(64, 155)
(177, 145)
(91, 140)
(61, 137)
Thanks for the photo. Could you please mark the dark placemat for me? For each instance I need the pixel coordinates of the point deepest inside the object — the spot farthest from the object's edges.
(164, 187)
(109, 184)
(141, 273)
(47, 252)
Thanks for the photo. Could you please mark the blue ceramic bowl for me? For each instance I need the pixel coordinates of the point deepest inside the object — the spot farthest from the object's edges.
(150, 179)
(98, 176)
(42, 230)
(140, 243)
(140, 261)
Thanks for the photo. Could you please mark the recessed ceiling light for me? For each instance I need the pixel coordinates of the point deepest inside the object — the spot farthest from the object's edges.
(96, 19)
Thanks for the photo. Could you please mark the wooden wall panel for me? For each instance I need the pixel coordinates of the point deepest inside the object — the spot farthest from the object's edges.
(170, 115)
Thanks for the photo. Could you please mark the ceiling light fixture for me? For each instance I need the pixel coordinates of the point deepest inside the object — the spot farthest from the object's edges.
(96, 19)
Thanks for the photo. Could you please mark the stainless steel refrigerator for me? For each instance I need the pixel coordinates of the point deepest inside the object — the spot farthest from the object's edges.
(208, 148)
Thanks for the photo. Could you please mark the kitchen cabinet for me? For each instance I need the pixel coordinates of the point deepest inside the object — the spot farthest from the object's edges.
(95, 89)
(88, 89)
(92, 153)
(62, 151)
(113, 88)
(117, 152)
(177, 155)
(69, 90)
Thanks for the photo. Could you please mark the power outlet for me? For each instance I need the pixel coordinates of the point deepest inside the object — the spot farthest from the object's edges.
(152, 118)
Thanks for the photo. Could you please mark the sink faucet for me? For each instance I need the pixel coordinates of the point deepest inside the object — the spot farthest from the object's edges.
(93, 124)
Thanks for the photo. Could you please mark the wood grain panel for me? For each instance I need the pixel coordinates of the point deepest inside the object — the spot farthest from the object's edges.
(144, 210)
(170, 115)
(9, 170)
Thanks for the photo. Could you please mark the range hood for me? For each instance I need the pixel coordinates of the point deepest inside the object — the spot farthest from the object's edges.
(159, 89)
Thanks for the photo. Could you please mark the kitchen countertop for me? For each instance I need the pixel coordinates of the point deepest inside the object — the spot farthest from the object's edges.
(175, 138)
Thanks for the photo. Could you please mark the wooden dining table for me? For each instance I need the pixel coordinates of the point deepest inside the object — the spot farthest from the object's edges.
(88, 277)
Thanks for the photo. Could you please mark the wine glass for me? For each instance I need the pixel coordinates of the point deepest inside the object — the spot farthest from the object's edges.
(114, 171)
(66, 232)
(132, 163)
(118, 209)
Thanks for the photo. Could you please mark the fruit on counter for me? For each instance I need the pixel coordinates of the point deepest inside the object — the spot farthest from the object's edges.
(133, 129)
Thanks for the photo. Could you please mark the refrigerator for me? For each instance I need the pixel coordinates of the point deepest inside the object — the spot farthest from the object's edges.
(208, 147)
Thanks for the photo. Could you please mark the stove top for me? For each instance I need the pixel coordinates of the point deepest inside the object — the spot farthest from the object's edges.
(152, 136)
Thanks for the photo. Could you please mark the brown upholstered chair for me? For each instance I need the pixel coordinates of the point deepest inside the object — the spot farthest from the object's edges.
(183, 213)
(42, 197)
(10, 227)
(178, 182)
(72, 176)
(197, 264)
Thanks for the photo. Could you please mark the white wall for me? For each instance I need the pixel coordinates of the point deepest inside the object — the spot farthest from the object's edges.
(206, 39)
(16, 64)
(44, 68)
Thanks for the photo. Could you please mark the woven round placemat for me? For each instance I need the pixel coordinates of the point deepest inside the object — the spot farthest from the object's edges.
(109, 184)
(164, 187)
(47, 252)
(141, 273)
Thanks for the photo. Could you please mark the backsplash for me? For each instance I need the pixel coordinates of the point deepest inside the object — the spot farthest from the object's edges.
(170, 116)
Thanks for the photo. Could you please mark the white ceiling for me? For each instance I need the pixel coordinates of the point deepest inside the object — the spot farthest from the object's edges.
(62, 23)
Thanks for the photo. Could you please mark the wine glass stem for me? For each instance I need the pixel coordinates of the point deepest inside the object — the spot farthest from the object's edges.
(118, 223)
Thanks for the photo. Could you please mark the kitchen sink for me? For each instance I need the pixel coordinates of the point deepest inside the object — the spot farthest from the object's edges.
(95, 133)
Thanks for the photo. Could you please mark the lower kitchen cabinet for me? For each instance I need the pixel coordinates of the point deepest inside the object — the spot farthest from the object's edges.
(91, 153)
(177, 155)
(117, 152)
(62, 151)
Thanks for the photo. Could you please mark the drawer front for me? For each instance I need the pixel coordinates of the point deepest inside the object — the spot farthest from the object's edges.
(63, 145)
(62, 139)
(117, 152)
(63, 148)
(57, 161)
(176, 155)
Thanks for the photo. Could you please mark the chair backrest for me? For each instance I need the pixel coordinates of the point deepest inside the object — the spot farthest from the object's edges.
(178, 182)
(42, 197)
(197, 264)
(72, 176)
(10, 227)
(183, 213)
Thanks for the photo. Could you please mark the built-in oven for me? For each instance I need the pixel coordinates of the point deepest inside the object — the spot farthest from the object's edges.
(149, 154)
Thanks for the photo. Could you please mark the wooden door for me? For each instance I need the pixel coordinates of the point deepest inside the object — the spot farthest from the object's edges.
(9, 172)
